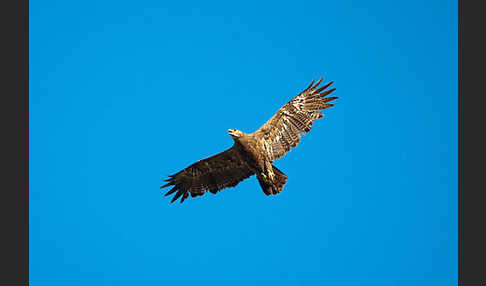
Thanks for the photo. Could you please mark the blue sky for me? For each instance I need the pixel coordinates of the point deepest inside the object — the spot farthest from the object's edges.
(125, 93)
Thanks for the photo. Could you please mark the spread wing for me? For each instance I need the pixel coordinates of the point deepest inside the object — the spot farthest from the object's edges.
(215, 173)
(295, 118)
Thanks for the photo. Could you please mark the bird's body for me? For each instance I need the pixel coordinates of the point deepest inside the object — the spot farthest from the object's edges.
(249, 147)
(254, 153)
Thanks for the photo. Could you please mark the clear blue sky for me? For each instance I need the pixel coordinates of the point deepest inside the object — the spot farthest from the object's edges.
(124, 93)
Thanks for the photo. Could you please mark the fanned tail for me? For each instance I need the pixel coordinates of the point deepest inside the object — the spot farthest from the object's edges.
(274, 187)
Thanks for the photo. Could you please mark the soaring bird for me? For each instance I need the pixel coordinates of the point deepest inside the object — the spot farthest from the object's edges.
(254, 153)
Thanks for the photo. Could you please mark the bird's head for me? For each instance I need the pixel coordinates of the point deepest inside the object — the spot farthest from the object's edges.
(235, 133)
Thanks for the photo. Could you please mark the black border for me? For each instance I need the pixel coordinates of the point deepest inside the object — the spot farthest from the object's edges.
(14, 116)
(471, 202)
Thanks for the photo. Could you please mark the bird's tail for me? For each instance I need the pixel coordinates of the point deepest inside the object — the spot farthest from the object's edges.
(275, 186)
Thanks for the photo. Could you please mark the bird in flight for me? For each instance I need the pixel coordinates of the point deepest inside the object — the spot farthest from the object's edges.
(254, 153)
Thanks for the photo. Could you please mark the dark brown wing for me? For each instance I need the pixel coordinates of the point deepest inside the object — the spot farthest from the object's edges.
(295, 118)
(215, 173)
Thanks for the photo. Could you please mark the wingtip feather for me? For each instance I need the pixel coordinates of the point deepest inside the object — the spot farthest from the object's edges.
(166, 185)
(327, 92)
(327, 99)
(171, 191)
(177, 195)
(184, 197)
(310, 85)
(318, 83)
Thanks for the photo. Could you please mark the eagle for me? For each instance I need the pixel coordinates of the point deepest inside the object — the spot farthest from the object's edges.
(254, 153)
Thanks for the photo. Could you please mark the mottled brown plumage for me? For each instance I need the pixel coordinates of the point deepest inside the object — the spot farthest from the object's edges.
(254, 153)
